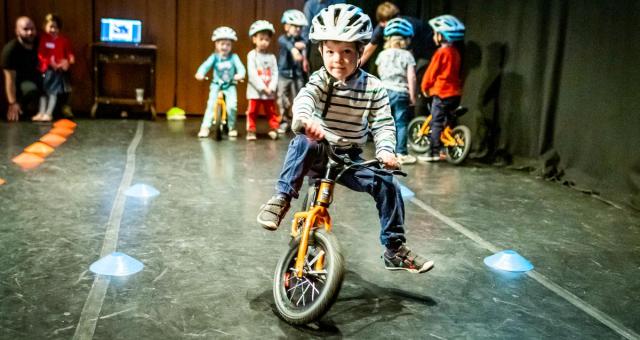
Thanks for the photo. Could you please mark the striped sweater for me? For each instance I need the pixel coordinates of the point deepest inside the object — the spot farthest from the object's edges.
(358, 105)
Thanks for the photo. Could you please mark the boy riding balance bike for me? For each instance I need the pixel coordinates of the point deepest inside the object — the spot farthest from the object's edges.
(341, 103)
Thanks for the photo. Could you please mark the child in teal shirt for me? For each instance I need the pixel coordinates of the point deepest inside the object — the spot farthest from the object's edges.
(227, 68)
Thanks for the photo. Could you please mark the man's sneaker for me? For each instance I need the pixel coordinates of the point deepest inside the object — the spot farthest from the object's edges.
(406, 159)
(251, 135)
(272, 212)
(204, 132)
(405, 259)
(273, 134)
(233, 133)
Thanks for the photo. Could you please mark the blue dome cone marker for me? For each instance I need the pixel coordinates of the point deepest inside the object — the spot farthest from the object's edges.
(142, 191)
(508, 260)
(406, 192)
(116, 264)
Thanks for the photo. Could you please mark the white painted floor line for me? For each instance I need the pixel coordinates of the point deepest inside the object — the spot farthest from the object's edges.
(93, 305)
(543, 280)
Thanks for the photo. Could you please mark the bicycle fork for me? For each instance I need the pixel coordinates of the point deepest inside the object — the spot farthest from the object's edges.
(317, 215)
(223, 107)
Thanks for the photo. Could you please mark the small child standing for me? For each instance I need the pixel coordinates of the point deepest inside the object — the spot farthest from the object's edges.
(227, 69)
(341, 101)
(56, 58)
(397, 70)
(263, 79)
(291, 60)
(442, 80)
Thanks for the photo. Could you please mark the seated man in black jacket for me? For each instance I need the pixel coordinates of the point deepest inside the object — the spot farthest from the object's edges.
(23, 81)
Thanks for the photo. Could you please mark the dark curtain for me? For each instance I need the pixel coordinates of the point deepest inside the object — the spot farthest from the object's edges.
(597, 125)
(553, 87)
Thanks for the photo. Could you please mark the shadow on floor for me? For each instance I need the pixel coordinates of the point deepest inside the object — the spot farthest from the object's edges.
(361, 304)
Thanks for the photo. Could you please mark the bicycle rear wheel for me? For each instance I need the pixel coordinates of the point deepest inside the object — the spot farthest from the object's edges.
(302, 300)
(457, 153)
(419, 143)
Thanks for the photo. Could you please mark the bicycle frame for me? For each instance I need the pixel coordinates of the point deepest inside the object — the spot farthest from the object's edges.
(446, 137)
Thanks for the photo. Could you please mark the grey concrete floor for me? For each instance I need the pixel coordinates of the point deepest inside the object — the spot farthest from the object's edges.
(208, 266)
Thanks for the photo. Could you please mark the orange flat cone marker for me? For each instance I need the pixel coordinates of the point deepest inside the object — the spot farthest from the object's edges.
(65, 123)
(39, 148)
(28, 160)
(52, 139)
(2, 181)
(60, 131)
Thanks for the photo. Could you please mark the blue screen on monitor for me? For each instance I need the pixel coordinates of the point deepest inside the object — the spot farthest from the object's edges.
(120, 30)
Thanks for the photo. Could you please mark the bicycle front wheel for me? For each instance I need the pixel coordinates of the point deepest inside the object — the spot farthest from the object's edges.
(302, 300)
(418, 142)
(216, 128)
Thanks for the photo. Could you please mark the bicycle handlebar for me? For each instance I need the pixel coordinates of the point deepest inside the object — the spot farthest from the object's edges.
(348, 163)
(224, 84)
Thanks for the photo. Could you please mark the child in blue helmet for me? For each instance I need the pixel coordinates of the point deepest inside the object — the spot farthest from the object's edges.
(397, 71)
(442, 81)
(227, 68)
(341, 101)
(291, 63)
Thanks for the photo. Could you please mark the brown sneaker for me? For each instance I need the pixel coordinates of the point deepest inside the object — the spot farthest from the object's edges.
(272, 212)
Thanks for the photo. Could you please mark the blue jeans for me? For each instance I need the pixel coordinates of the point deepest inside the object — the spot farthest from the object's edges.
(230, 98)
(305, 156)
(441, 109)
(399, 102)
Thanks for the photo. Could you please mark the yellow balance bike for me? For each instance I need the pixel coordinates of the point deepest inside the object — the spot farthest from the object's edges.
(309, 274)
(455, 138)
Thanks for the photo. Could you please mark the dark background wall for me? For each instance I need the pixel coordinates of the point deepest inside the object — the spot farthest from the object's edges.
(551, 85)
(556, 83)
(163, 22)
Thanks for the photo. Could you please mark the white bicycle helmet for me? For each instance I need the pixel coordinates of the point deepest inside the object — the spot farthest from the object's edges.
(224, 32)
(294, 17)
(449, 26)
(341, 22)
(259, 26)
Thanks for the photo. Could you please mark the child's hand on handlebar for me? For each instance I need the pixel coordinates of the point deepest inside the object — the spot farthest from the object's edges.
(238, 77)
(389, 161)
(200, 77)
(313, 129)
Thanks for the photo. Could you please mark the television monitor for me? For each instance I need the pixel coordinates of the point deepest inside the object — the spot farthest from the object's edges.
(120, 30)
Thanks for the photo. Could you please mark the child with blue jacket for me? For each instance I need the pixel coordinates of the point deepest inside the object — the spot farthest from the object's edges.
(227, 70)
